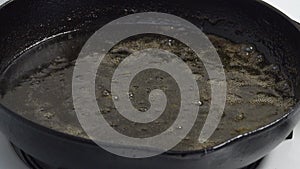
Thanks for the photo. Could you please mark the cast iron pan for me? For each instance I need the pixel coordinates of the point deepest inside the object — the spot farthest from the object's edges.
(25, 22)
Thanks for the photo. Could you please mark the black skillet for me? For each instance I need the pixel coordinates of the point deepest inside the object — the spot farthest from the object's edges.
(23, 23)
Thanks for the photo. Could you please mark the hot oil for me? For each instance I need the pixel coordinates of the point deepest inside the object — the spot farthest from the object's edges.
(258, 92)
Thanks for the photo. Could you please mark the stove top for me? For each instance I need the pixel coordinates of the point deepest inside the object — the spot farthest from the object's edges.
(284, 156)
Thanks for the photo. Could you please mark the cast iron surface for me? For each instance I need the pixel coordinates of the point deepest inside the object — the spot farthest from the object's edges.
(27, 22)
(33, 163)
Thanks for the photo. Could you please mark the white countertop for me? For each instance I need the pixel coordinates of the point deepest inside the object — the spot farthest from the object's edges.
(285, 156)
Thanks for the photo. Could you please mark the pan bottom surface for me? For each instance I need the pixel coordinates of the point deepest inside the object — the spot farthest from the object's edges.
(33, 163)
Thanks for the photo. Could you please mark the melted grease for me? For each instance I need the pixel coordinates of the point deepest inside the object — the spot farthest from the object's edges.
(258, 93)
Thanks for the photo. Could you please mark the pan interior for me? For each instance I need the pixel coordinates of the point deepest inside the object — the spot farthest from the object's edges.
(244, 23)
(39, 87)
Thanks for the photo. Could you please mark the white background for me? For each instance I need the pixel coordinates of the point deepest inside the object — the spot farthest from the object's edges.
(285, 156)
